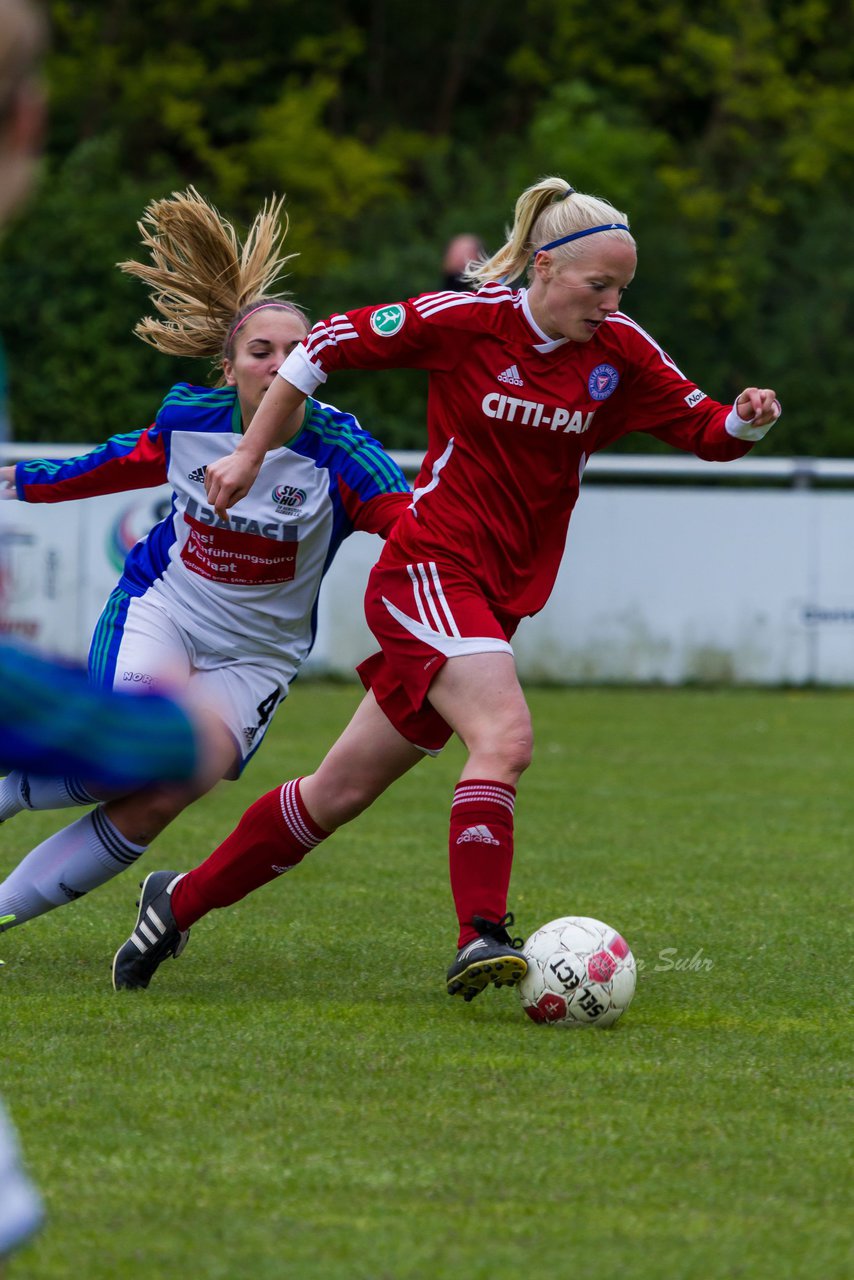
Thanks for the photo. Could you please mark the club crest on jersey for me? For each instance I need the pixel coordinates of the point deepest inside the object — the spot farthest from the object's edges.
(387, 321)
(602, 381)
(288, 498)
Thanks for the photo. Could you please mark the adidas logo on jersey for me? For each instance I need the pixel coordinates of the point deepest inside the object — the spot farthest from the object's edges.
(477, 835)
(511, 375)
(198, 474)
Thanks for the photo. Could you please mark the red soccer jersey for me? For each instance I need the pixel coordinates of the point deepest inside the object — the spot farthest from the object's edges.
(512, 417)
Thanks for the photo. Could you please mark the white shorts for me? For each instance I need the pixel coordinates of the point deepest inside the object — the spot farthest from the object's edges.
(137, 647)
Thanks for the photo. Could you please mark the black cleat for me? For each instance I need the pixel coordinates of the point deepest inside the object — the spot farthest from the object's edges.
(155, 937)
(491, 957)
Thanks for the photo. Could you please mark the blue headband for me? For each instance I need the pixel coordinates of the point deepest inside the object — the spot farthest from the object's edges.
(576, 235)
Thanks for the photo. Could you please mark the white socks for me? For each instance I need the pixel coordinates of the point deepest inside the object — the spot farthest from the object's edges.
(62, 868)
(19, 791)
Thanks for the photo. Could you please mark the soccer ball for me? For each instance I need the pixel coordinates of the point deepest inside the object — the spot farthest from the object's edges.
(581, 973)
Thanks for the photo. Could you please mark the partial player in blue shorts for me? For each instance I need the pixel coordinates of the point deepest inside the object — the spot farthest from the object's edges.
(55, 722)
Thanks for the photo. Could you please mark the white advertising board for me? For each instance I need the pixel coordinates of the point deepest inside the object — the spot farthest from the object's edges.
(63, 560)
(660, 583)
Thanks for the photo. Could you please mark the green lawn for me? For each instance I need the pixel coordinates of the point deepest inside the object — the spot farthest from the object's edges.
(296, 1098)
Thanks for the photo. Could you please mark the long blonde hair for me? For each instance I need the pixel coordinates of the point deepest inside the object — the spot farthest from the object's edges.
(546, 211)
(203, 280)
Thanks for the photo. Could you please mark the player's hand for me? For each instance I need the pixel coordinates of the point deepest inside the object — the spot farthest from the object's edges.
(228, 480)
(758, 405)
(7, 483)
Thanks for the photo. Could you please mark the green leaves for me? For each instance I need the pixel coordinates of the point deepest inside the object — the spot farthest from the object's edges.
(722, 129)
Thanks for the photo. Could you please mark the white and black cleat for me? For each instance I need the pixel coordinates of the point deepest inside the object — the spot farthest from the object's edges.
(492, 957)
(155, 937)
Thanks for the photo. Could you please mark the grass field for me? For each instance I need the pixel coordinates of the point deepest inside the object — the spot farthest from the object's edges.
(296, 1098)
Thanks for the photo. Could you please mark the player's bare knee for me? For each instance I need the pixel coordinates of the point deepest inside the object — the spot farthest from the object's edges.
(510, 746)
(504, 758)
(521, 753)
(515, 755)
(142, 817)
(351, 799)
(335, 797)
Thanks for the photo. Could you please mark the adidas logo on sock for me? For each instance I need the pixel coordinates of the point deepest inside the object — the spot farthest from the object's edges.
(477, 835)
(72, 894)
(198, 474)
(511, 375)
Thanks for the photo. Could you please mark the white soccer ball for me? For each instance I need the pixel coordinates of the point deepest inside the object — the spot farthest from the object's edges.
(581, 973)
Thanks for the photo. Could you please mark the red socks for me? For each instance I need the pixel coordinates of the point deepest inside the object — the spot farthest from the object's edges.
(481, 851)
(274, 834)
(277, 831)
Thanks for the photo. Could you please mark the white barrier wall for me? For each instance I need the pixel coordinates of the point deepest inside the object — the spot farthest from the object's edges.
(660, 582)
(63, 560)
(671, 585)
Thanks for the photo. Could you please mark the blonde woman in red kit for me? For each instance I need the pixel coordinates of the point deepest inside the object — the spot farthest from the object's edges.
(524, 385)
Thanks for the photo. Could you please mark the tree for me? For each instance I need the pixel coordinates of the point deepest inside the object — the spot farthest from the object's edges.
(722, 128)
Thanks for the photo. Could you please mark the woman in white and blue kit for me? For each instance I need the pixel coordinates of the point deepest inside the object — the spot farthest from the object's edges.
(224, 614)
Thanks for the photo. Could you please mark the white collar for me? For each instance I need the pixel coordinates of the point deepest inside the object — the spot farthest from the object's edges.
(547, 343)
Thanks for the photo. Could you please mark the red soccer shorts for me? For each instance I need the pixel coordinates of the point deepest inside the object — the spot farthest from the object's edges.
(421, 615)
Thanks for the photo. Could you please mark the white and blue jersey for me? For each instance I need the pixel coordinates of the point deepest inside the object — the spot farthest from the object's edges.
(225, 611)
(249, 585)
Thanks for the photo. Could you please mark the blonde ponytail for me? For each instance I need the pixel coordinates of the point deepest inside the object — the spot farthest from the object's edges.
(545, 212)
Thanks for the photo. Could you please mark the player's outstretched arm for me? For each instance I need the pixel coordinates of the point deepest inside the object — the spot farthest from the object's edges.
(229, 479)
(132, 460)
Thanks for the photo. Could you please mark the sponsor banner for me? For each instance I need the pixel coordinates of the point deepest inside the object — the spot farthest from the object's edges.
(533, 413)
(241, 559)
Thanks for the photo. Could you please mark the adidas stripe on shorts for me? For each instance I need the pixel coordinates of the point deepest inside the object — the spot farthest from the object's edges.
(422, 614)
